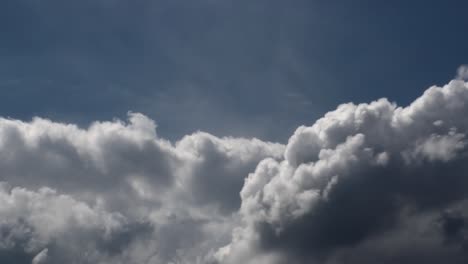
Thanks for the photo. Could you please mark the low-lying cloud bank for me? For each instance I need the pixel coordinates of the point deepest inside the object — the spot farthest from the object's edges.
(368, 183)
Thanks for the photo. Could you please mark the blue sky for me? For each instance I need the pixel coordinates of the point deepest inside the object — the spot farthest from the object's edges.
(242, 68)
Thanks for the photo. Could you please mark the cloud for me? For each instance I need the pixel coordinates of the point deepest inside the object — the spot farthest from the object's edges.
(366, 183)
(353, 185)
(40, 258)
(117, 193)
(42, 222)
(462, 73)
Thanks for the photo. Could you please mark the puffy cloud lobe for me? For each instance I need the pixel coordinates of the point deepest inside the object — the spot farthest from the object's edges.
(347, 182)
(64, 156)
(439, 147)
(32, 221)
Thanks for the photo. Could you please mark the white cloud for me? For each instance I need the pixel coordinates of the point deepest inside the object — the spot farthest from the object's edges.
(116, 192)
(119, 175)
(349, 175)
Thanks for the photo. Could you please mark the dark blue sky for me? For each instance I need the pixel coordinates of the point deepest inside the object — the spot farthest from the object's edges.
(230, 67)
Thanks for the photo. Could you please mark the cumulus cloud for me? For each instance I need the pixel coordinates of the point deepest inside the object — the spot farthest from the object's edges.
(353, 187)
(117, 193)
(367, 183)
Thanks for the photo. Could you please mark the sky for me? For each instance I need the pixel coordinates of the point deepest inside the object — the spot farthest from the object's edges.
(242, 68)
(227, 132)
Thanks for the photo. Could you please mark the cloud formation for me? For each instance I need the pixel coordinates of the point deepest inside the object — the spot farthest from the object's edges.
(116, 192)
(367, 183)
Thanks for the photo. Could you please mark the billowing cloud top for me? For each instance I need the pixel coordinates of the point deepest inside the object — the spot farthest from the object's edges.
(367, 183)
